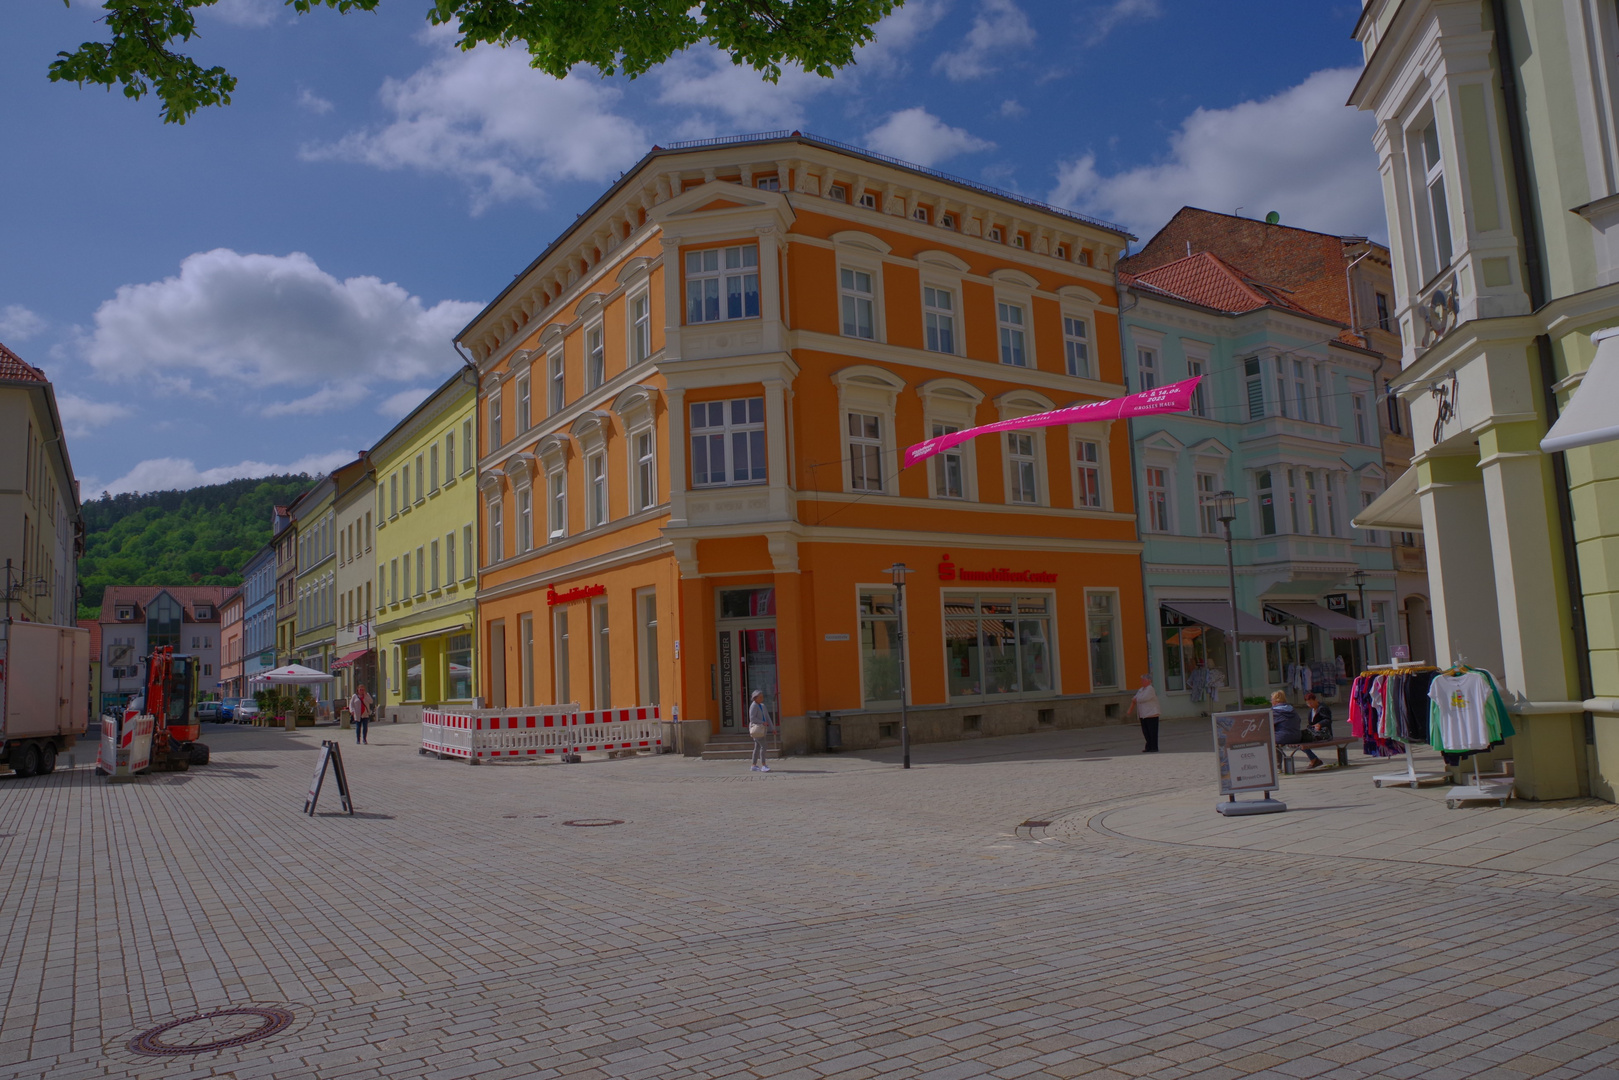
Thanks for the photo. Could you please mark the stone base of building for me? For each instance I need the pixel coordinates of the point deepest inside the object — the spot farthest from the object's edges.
(400, 714)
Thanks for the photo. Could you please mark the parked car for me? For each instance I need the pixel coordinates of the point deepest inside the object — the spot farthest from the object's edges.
(227, 708)
(206, 710)
(246, 711)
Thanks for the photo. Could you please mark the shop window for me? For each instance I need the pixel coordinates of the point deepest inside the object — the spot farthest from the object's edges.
(559, 384)
(523, 417)
(596, 471)
(1266, 501)
(1273, 663)
(1102, 629)
(939, 319)
(949, 468)
(392, 673)
(998, 645)
(728, 442)
(1009, 319)
(525, 658)
(1194, 656)
(497, 533)
(1157, 499)
(557, 504)
(603, 655)
(1088, 473)
(595, 358)
(1207, 486)
(879, 647)
(640, 328)
(646, 470)
(1022, 468)
(560, 672)
(858, 300)
(1077, 345)
(458, 663)
(722, 284)
(413, 671)
(865, 452)
(646, 606)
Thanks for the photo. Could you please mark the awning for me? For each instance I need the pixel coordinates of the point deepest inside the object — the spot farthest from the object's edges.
(1592, 414)
(1397, 508)
(349, 658)
(1217, 613)
(423, 635)
(1339, 626)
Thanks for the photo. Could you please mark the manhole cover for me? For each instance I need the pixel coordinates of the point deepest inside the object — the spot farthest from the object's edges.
(592, 822)
(217, 1030)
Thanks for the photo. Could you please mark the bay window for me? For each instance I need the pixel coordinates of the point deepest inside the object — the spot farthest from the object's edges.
(728, 442)
(557, 503)
(722, 284)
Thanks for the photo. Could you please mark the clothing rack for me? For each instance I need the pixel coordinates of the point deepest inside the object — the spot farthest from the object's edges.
(1410, 777)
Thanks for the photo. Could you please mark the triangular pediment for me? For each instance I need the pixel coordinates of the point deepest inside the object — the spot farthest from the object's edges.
(716, 197)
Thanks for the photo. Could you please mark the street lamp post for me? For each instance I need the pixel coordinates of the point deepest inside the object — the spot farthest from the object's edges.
(899, 570)
(1360, 612)
(1225, 505)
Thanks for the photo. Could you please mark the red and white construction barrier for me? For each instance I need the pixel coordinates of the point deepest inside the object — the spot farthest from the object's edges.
(558, 732)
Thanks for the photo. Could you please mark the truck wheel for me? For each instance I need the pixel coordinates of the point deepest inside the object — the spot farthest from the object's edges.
(199, 754)
(47, 759)
(25, 759)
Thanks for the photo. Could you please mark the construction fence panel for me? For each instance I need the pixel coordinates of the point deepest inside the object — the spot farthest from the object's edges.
(558, 732)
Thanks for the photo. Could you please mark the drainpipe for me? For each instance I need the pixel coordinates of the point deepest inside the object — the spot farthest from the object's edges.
(1535, 273)
(472, 376)
(1146, 608)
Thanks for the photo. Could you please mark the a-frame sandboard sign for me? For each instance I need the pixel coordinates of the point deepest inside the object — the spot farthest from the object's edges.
(330, 754)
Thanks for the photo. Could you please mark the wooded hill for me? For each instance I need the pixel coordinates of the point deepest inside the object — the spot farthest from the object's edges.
(201, 536)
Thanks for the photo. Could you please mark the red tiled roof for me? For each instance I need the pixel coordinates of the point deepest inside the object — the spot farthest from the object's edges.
(14, 368)
(139, 596)
(95, 635)
(1211, 282)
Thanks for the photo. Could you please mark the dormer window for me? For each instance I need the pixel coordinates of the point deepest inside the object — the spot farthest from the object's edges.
(995, 234)
(204, 613)
(126, 613)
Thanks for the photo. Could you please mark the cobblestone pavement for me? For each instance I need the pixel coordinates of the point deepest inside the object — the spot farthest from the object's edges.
(1052, 905)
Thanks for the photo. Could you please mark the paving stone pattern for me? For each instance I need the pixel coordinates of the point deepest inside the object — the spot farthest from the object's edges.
(837, 917)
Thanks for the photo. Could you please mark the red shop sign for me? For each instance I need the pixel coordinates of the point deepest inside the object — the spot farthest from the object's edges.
(582, 592)
(949, 571)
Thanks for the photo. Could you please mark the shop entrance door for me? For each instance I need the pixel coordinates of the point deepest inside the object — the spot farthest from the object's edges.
(747, 662)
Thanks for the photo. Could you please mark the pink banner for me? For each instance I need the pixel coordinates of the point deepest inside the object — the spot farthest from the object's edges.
(1176, 397)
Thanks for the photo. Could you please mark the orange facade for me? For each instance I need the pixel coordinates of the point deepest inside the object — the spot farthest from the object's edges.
(693, 409)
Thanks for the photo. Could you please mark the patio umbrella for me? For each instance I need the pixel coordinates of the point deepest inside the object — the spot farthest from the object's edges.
(293, 675)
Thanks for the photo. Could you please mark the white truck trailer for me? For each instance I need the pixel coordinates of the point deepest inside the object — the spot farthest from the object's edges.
(44, 693)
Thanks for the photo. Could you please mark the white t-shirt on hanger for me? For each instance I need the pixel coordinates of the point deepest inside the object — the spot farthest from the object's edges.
(1461, 700)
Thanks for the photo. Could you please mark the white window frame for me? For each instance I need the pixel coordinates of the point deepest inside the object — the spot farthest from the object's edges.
(1167, 525)
(932, 314)
(1013, 405)
(873, 391)
(556, 386)
(1197, 363)
(721, 274)
(556, 503)
(638, 313)
(1005, 326)
(1082, 367)
(497, 437)
(1147, 373)
(865, 440)
(525, 417)
(643, 479)
(601, 654)
(497, 538)
(1206, 485)
(469, 552)
(851, 262)
(525, 519)
(597, 493)
(728, 428)
(951, 403)
(648, 648)
(1100, 435)
(1016, 458)
(595, 356)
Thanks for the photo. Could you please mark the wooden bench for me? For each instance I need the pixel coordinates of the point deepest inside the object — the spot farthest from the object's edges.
(1288, 752)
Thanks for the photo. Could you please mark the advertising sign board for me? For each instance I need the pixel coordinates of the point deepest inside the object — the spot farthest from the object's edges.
(1245, 744)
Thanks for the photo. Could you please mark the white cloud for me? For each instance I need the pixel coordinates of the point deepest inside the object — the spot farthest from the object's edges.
(80, 416)
(164, 474)
(999, 25)
(1012, 110)
(491, 121)
(308, 99)
(251, 14)
(17, 323)
(1122, 11)
(326, 399)
(273, 322)
(918, 136)
(894, 36)
(398, 406)
(732, 98)
(1303, 153)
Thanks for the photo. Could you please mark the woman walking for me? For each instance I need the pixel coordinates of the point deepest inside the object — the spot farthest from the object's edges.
(759, 728)
(360, 711)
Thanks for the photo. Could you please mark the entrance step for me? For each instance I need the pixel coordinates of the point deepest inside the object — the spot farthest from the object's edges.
(728, 746)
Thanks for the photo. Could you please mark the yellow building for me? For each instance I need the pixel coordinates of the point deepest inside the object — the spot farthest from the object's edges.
(41, 531)
(426, 554)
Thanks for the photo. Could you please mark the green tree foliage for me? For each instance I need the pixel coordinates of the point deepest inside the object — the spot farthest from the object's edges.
(612, 36)
(202, 536)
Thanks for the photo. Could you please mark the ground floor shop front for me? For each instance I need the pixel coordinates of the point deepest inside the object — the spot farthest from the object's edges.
(421, 661)
(995, 640)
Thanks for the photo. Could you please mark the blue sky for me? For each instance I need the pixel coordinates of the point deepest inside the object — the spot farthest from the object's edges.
(274, 284)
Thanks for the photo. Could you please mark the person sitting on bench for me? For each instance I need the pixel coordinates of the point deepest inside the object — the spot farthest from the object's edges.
(1319, 722)
(1289, 730)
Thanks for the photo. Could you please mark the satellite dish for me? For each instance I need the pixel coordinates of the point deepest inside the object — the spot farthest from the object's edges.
(1272, 218)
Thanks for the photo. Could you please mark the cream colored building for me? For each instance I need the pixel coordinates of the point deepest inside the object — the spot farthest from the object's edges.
(41, 532)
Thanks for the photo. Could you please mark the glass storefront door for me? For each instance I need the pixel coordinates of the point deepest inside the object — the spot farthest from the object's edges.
(746, 656)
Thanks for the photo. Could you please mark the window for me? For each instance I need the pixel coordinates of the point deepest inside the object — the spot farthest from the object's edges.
(421, 571)
(1394, 409)
(393, 495)
(1147, 368)
(879, 647)
(1206, 510)
(467, 462)
(449, 456)
(1382, 311)
(838, 192)
(1018, 241)
(432, 468)
(858, 303)
(1267, 503)
(559, 388)
(595, 359)
(947, 221)
(997, 644)
(646, 606)
(449, 558)
(458, 665)
(994, 234)
(1088, 478)
(1360, 418)
(1076, 343)
(920, 214)
(868, 200)
(603, 655)
(557, 504)
(768, 183)
(949, 469)
(525, 657)
(413, 671)
(1101, 619)
(1191, 653)
(496, 439)
(523, 419)
(497, 539)
(640, 328)
(1158, 499)
(393, 580)
(939, 319)
(1332, 503)
(1300, 400)
(1366, 499)
(722, 283)
(596, 469)
(559, 657)
(1010, 321)
(1312, 508)
(1022, 479)
(1200, 399)
(646, 471)
(1320, 384)
(525, 520)
(1281, 389)
(865, 452)
(1438, 252)
(433, 564)
(405, 594)
(1060, 251)
(728, 442)
(469, 551)
(1293, 499)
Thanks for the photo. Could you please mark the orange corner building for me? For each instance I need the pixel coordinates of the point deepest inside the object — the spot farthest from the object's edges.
(692, 410)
